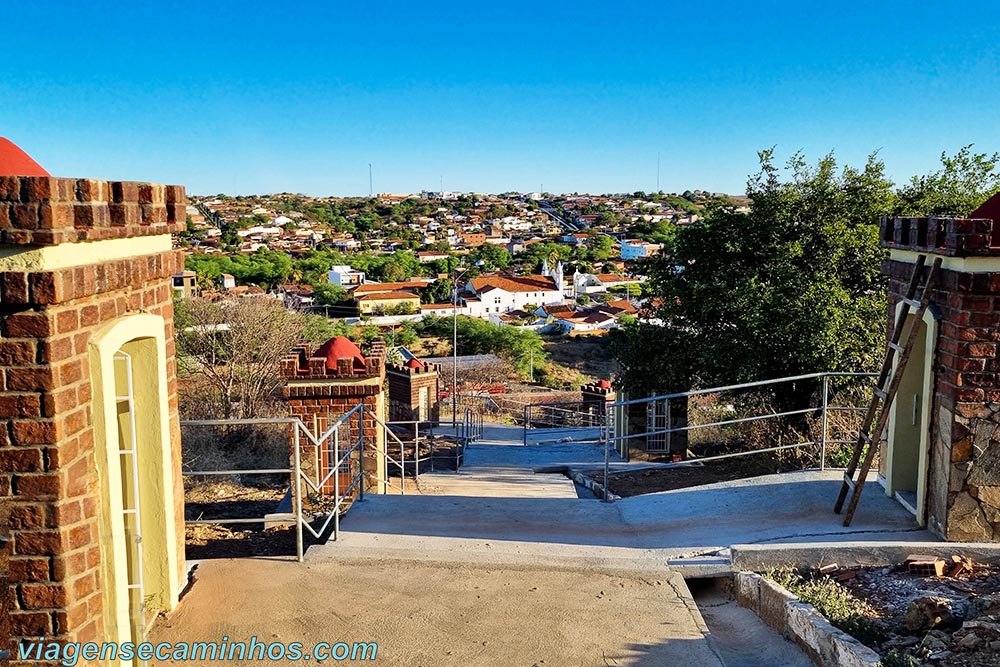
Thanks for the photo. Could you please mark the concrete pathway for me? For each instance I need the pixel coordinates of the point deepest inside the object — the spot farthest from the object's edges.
(500, 466)
(502, 565)
(497, 509)
(445, 615)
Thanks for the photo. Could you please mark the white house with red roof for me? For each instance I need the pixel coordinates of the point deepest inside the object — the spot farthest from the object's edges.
(501, 293)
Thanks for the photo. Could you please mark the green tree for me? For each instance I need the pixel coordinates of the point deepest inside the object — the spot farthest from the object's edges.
(964, 182)
(438, 292)
(792, 287)
(600, 246)
(328, 294)
(494, 256)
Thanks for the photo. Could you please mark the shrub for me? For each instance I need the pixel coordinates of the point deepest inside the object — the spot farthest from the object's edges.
(845, 611)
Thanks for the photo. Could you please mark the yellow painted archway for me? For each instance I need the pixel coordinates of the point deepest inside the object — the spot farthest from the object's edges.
(139, 544)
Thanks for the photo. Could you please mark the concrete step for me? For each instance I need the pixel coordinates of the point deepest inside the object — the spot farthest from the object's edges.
(702, 567)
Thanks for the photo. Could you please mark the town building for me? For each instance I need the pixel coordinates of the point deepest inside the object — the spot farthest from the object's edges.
(501, 293)
(345, 276)
(638, 249)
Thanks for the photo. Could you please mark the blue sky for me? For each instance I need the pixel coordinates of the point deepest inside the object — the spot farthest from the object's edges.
(578, 96)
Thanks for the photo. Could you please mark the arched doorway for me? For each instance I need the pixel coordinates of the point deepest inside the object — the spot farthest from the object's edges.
(908, 447)
(134, 465)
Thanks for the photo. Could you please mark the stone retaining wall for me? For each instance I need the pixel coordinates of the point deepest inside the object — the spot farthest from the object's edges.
(799, 621)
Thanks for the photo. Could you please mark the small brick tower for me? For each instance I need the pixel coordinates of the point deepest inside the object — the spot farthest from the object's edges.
(597, 396)
(413, 391)
(86, 308)
(942, 454)
(325, 383)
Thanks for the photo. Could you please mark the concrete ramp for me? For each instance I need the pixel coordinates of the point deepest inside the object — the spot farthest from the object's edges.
(496, 530)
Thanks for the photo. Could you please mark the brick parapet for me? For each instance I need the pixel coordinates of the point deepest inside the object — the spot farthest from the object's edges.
(595, 390)
(43, 210)
(426, 368)
(953, 237)
(299, 364)
(312, 391)
(43, 288)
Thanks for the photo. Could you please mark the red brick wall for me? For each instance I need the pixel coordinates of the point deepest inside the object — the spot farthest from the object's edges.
(319, 396)
(5, 601)
(964, 464)
(47, 448)
(404, 392)
(597, 398)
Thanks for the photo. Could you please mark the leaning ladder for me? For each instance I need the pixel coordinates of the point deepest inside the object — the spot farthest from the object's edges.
(888, 384)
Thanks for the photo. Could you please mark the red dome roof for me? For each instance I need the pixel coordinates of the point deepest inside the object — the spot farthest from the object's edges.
(340, 348)
(604, 384)
(15, 162)
(414, 363)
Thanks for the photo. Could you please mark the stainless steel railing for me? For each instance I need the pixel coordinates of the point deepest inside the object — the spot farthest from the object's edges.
(661, 424)
(345, 470)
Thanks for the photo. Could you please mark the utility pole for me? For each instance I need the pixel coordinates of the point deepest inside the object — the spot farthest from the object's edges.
(531, 362)
(371, 190)
(657, 171)
(454, 352)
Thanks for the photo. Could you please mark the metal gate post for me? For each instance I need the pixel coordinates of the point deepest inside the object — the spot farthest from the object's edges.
(297, 472)
(336, 484)
(527, 412)
(607, 467)
(826, 405)
(670, 426)
(361, 453)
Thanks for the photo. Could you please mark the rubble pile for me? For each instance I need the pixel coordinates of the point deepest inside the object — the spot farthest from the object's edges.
(940, 612)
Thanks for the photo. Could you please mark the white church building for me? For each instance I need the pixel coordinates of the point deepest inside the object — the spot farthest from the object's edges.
(497, 293)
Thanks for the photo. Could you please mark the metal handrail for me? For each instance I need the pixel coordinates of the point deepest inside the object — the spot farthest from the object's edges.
(745, 385)
(297, 475)
(611, 438)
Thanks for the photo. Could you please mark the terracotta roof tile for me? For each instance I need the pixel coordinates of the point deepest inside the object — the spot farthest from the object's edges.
(514, 283)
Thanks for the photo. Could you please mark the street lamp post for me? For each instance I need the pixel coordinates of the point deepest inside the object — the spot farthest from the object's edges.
(454, 343)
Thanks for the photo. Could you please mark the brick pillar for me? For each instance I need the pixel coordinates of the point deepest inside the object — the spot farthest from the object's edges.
(324, 383)
(963, 461)
(597, 396)
(405, 384)
(76, 257)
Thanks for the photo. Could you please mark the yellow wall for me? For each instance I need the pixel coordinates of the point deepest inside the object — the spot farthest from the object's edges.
(52, 258)
(908, 448)
(142, 337)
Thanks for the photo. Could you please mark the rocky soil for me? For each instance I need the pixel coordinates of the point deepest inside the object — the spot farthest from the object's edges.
(937, 621)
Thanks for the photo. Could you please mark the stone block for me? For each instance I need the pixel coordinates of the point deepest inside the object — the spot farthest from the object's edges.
(774, 600)
(747, 589)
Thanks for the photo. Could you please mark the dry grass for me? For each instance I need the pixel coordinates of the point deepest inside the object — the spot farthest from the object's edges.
(579, 359)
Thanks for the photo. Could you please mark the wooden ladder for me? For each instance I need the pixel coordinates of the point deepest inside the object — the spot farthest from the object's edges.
(887, 385)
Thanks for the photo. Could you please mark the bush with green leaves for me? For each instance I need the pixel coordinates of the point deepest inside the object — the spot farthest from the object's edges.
(477, 336)
(835, 602)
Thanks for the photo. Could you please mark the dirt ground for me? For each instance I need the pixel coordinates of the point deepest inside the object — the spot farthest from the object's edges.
(226, 500)
(974, 643)
(587, 355)
(436, 615)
